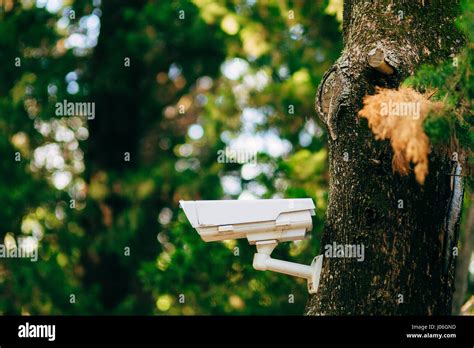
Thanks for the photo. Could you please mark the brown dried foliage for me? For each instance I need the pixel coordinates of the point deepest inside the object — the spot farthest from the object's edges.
(398, 115)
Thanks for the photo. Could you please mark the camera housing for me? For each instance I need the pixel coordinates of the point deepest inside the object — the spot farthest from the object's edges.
(265, 223)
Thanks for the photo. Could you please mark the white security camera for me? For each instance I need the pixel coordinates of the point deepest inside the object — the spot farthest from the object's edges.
(264, 222)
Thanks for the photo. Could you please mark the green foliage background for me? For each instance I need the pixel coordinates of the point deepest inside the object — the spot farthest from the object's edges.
(74, 194)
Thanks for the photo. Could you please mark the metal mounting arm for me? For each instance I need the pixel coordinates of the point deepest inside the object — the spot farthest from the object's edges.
(262, 261)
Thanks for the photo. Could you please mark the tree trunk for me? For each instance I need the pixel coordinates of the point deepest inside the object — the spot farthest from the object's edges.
(400, 223)
(462, 265)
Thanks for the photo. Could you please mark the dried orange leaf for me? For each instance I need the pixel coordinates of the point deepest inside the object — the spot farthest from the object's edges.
(398, 115)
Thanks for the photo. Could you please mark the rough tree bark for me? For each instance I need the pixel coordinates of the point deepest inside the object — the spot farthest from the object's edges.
(463, 261)
(403, 268)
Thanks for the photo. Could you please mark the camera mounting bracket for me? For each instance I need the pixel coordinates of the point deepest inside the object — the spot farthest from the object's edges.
(262, 261)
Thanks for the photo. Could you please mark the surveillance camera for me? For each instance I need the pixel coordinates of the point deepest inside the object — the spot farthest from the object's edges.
(257, 220)
(265, 223)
